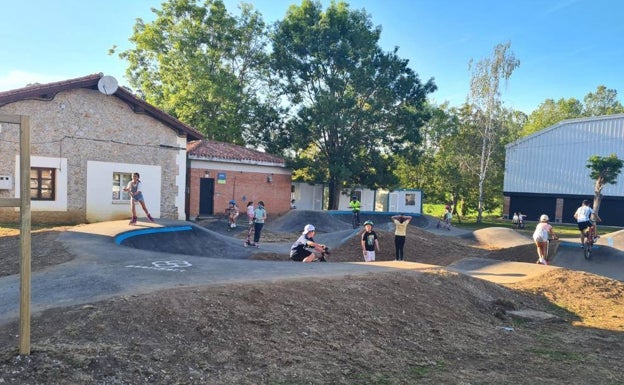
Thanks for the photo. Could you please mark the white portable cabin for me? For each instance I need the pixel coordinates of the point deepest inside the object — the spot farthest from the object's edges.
(405, 201)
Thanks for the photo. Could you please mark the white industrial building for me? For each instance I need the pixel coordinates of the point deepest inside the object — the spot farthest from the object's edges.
(546, 173)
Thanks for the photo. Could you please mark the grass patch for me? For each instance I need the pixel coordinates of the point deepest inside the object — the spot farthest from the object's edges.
(557, 355)
(494, 219)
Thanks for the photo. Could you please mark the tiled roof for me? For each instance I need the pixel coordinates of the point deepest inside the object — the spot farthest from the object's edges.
(48, 92)
(228, 152)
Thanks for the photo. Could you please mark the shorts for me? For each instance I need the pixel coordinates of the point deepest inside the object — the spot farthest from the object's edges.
(299, 256)
(583, 225)
(369, 256)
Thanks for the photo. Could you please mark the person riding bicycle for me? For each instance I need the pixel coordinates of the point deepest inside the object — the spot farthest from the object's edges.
(299, 250)
(543, 231)
(583, 216)
(354, 205)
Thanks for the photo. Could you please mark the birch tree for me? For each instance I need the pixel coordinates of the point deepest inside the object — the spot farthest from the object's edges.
(485, 97)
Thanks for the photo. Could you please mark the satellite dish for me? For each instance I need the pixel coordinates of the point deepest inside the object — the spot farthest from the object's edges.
(107, 85)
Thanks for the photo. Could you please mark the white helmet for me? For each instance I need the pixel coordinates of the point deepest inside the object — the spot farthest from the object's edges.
(544, 218)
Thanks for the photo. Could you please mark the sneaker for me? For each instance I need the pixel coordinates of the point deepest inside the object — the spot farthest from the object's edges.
(257, 245)
(133, 221)
(150, 218)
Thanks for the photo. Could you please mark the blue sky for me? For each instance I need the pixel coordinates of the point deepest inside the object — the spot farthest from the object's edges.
(566, 47)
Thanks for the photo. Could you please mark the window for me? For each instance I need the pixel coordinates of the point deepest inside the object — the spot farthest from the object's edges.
(120, 180)
(42, 184)
(410, 199)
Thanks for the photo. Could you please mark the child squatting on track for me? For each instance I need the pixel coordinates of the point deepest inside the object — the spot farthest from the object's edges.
(299, 250)
(136, 196)
(541, 234)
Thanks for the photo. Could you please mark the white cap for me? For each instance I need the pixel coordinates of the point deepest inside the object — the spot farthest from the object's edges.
(544, 218)
(308, 228)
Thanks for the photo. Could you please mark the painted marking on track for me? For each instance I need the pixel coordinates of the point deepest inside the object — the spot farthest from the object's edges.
(164, 266)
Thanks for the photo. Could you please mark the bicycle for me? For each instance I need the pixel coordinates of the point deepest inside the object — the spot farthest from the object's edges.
(324, 253)
(589, 242)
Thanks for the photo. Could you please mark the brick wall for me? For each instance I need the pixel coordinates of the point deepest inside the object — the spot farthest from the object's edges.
(246, 184)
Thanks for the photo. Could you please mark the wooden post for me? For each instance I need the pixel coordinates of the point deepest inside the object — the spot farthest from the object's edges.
(23, 202)
(25, 238)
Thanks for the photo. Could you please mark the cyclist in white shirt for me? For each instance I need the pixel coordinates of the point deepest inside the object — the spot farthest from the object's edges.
(583, 217)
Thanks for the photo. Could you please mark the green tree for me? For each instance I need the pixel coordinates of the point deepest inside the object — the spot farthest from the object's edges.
(550, 113)
(485, 96)
(602, 102)
(203, 65)
(355, 108)
(604, 170)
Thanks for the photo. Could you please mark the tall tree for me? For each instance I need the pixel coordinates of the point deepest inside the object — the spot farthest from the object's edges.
(604, 170)
(485, 96)
(203, 66)
(602, 102)
(354, 107)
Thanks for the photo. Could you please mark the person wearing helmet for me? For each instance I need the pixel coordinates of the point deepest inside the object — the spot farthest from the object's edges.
(370, 242)
(300, 250)
(232, 214)
(584, 216)
(542, 232)
(354, 205)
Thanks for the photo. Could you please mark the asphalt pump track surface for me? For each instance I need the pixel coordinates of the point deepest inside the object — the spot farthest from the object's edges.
(115, 259)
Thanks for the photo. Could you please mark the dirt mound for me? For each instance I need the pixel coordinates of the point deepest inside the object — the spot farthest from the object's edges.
(499, 238)
(391, 328)
(295, 220)
(421, 246)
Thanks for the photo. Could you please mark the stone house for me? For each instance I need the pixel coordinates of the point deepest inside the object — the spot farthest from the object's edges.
(85, 144)
(220, 172)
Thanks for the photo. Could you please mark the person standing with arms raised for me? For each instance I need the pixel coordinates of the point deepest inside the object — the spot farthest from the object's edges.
(400, 232)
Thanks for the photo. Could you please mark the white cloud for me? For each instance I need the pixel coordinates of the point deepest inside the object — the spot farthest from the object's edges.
(18, 79)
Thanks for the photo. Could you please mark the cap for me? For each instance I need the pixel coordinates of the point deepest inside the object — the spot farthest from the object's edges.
(544, 218)
(308, 228)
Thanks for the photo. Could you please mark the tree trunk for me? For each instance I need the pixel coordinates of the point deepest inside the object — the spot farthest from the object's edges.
(597, 202)
(598, 195)
(334, 195)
